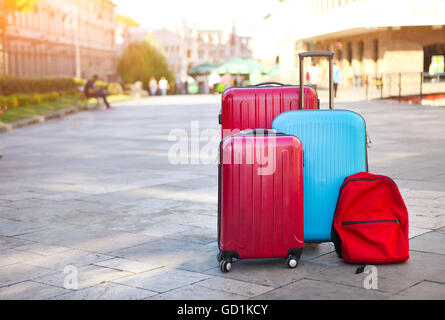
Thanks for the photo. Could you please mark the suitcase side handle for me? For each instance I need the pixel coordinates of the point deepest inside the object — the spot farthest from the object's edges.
(326, 54)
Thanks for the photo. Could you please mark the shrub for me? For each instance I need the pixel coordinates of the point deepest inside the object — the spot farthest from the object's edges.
(52, 96)
(115, 88)
(14, 85)
(36, 98)
(23, 100)
(9, 102)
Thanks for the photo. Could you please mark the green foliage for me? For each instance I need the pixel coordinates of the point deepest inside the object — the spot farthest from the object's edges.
(126, 21)
(11, 6)
(115, 88)
(24, 100)
(13, 85)
(140, 62)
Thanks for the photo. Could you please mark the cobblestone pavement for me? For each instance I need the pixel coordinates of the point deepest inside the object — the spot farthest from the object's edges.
(96, 191)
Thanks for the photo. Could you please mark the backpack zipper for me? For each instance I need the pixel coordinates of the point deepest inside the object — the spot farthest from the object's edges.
(369, 221)
(363, 179)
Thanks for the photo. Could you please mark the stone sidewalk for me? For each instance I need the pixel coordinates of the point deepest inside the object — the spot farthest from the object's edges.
(96, 191)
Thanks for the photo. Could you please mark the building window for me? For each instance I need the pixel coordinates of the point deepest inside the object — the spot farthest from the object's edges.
(349, 48)
(361, 50)
(376, 50)
(340, 55)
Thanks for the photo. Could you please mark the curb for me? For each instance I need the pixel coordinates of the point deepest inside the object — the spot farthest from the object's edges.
(59, 114)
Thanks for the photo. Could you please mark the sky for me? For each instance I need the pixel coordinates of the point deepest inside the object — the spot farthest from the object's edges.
(209, 14)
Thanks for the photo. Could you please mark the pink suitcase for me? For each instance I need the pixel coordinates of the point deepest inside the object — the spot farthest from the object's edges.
(260, 198)
(257, 106)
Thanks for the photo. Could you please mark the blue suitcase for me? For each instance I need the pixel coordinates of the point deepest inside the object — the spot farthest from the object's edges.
(335, 147)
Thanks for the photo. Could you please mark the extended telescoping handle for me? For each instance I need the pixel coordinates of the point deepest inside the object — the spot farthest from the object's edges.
(326, 54)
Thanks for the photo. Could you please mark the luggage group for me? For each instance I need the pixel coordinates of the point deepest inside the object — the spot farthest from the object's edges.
(290, 173)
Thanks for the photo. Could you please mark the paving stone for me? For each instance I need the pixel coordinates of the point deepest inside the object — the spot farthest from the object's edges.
(20, 272)
(12, 242)
(9, 228)
(196, 235)
(106, 187)
(422, 291)
(162, 280)
(126, 265)
(172, 253)
(59, 261)
(11, 256)
(88, 276)
(439, 277)
(271, 272)
(320, 290)
(315, 250)
(196, 292)
(414, 231)
(88, 238)
(391, 278)
(42, 249)
(234, 286)
(107, 291)
(433, 242)
(428, 218)
(30, 290)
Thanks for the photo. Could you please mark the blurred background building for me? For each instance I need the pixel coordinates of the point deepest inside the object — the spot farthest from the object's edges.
(43, 42)
(368, 36)
(193, 45)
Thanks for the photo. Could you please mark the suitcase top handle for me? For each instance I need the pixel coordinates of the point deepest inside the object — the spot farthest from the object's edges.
(258, 132)
(326, 54)
(270, 83)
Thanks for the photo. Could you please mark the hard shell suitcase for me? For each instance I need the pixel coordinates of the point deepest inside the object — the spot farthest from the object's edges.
(335, 147)
(260, 198)
(257, 106)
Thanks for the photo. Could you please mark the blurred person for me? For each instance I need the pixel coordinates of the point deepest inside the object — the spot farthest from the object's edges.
(214, 81)
(314, 75)
(227, 81)
(91, 91)
(164, 86)
(337, 78)
(178, 85)
(153, 86)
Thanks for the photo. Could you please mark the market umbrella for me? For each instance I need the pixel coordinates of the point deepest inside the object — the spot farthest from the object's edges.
(203, 69)
(254, 67)
(234, 66)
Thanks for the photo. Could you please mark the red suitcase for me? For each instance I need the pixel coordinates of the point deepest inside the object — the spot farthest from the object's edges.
(257, 106)
(260, 211)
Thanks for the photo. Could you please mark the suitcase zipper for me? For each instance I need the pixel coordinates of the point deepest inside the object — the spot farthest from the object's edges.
(348, 223)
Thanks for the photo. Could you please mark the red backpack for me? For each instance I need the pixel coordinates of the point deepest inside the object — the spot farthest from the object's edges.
(371, 221)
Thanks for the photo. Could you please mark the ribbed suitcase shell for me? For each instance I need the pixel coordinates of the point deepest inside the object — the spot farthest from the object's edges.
(261, 216)
(334, 143)
(257, 107)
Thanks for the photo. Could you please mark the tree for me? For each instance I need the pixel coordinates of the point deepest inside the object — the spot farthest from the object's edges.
(122, 25)
(141, 61)
(7, 8)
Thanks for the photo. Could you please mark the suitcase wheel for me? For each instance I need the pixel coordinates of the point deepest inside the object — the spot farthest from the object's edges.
(225, 266)
(219, 257)
(292, 262)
